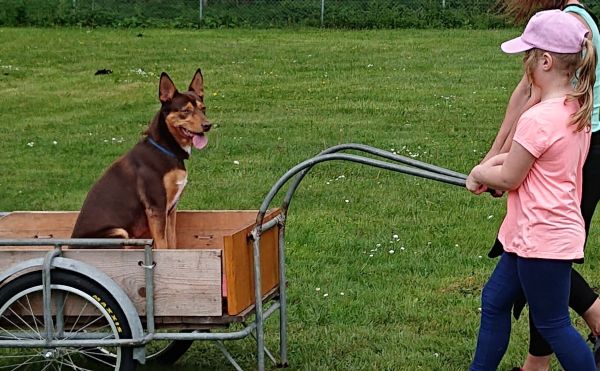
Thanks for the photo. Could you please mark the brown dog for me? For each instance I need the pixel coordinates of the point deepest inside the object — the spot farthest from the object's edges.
(137, 195)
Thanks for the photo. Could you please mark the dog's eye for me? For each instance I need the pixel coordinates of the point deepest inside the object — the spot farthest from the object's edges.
(186, 111)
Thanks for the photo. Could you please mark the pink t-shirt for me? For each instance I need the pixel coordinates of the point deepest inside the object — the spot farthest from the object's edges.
(543, 218)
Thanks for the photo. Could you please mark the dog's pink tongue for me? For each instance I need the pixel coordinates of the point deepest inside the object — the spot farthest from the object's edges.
(199, 141)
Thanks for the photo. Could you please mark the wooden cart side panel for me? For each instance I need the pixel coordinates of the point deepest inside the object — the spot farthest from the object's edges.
(38, 224)
(187, 282)
(206, 229)
(188, 238)
(202, 220)
(215, 219)
(195, 229)
(239, 266)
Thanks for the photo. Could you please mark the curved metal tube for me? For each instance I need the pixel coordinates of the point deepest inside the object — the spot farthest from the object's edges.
(352, 158)
(393, 157)
(374, 151)
(416, 168)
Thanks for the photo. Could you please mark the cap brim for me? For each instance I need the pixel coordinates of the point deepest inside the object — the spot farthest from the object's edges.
(516, 45)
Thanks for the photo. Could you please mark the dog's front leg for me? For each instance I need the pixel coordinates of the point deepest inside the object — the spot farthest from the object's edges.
(157, 223)
(153, 197)
(171, 232)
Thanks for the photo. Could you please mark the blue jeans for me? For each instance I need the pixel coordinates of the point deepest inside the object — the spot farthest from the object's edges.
(545, 284)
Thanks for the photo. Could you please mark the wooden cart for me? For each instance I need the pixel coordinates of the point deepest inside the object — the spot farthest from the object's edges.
(207, 282)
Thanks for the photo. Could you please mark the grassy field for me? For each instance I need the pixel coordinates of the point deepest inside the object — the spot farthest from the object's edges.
(277, 98)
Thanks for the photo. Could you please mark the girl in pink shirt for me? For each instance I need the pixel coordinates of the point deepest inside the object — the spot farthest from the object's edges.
(543, 231)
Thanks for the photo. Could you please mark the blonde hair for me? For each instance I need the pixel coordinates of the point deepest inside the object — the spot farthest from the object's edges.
(586, 77)
(522, 10)
(579, 66)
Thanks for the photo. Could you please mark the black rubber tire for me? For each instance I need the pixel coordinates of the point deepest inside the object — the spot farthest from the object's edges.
(86, 285)
(171, 353)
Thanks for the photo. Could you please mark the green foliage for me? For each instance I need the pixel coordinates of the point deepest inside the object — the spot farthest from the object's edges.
(251, 13)
(410, 14)
(595, 7)
(276, 98)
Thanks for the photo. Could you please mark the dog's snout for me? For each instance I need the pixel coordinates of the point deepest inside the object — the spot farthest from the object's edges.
(206, 126)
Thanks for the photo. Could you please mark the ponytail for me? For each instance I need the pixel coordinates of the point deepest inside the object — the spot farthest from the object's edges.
(586, 77)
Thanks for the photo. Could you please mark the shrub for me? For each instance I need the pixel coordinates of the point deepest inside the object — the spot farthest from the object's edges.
(252, 13)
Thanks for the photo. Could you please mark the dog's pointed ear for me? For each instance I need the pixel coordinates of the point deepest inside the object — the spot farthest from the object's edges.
(166, 88)
(197, 84)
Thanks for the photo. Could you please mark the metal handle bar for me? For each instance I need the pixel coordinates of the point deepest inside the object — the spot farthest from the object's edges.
(307, 164)
(420, 169)
(394, 157)
(374, 151)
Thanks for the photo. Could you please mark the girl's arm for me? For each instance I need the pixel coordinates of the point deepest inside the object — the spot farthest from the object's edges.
(504, 172)
(497, 160)
(480, 188)
(522, 98)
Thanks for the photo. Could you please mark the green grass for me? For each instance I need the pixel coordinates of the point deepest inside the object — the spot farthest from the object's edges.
(277, 98)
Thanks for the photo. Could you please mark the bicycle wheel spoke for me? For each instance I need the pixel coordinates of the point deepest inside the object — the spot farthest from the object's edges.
(99, 330)
(33, 317)
(15, 325)
(26, 363)
(79, 316)
(68, 355)
(70, 364)
(98, 359)
(10, 334)
(20, 356)
(48, 365)
(25, 322)
(86, 326)
(87, 351)
(100, 352)
(12, 323)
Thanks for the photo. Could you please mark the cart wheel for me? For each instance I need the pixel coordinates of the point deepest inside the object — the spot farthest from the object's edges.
(88, 309)
(166, 352)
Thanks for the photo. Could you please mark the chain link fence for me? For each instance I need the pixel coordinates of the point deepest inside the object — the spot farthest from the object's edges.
(254, 13)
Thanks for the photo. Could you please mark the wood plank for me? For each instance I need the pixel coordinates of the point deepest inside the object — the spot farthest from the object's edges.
(195, 229)
(188, 238)
(208, 322)
(203, 220)
(187, 282)
(216, 219)
(238, 259)
(38, 224)
(207, 229)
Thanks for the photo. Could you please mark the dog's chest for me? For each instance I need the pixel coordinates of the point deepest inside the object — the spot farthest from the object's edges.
(174, 182)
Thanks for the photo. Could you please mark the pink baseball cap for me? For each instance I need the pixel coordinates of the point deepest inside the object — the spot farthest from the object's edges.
(549, 30)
